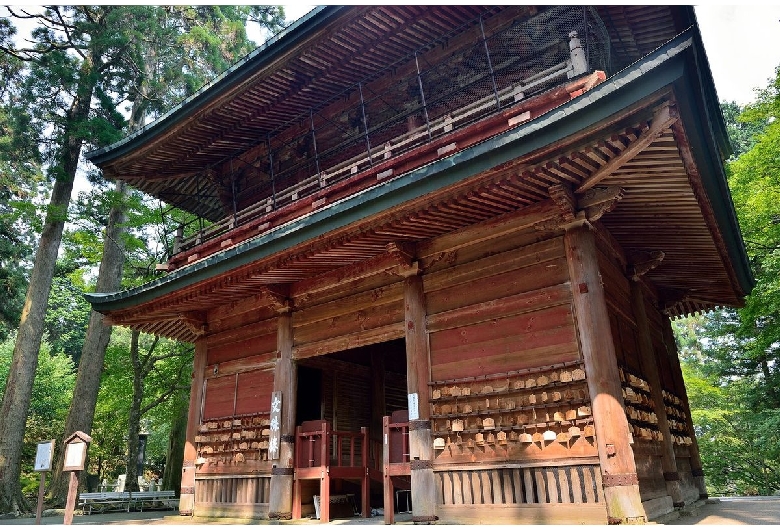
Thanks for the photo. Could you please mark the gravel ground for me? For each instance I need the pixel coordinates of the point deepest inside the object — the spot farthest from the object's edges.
(716, 511)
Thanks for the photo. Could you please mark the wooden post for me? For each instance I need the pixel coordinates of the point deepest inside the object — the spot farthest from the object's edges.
(70, 502)
(187, 496)
(41, 491)
(650, 370)
(618, 468)
(43, 458)
(285, 381)
(387, 484)
(417, 378)
(674, 361)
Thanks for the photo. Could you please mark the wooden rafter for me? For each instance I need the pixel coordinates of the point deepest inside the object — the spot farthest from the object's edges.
(662, 119)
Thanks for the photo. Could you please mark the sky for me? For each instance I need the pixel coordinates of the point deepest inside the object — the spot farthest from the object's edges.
(743, 47)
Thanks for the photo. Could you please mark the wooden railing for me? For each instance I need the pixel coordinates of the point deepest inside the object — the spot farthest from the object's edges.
(505, 78)
(395, 460)
(320, 447)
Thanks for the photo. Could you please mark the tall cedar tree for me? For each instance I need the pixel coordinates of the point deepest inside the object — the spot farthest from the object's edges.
(179, 49)
(73, 63)
(82, 59)
(20, 178)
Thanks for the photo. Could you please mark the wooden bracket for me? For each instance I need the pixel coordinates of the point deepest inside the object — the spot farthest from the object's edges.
(278, 296)
(598, 201)
(565, 201)
(574, 212)
(404, 252)
(645, 262)
(195, 322)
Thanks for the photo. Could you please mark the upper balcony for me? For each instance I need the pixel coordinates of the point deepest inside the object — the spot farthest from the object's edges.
(366, 98)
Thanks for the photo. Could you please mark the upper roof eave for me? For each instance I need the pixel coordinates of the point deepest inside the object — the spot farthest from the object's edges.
(287, 38)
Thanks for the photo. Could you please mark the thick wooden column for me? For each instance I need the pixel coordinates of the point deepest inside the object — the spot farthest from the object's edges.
(417, 379)
(618, 468)
(650, 370)
(674, 361)
(187, 496)
(286, 382)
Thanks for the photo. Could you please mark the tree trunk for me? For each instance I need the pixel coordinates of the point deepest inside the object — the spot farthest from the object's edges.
(82, 408)
(134, 420)
(18, 390)
(171, 479)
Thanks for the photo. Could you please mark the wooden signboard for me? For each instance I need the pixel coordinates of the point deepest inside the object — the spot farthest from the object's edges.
(75, 458)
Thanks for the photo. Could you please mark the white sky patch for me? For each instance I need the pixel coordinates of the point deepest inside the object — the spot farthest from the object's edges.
(743, 47)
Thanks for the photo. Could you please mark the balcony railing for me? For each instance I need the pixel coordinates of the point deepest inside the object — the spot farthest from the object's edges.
(418, 103)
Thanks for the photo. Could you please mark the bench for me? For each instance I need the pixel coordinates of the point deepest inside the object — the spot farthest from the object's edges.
(105, 500)
(153, 499)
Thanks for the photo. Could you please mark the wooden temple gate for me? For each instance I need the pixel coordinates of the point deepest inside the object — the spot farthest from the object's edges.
(474, 289)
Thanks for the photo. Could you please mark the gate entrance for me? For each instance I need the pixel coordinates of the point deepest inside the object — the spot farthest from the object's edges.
(344, 393)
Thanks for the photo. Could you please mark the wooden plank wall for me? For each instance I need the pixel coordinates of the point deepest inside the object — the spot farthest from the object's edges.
(494, 310)
(502, 335)
(348, 314)
(233, 433)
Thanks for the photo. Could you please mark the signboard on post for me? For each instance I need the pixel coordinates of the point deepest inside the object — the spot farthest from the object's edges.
(75, 458)
(43, 456)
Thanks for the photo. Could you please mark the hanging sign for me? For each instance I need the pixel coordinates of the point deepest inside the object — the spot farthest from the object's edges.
(276, 425)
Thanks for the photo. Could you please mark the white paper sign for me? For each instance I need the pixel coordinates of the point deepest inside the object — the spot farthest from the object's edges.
(276, 425)
(414, 409)
(43, 455)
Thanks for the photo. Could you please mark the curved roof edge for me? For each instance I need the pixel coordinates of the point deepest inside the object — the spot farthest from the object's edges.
(591, 107)
(277, 44)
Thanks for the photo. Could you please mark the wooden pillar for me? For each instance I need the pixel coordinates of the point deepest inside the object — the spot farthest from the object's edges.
(618, 468)
(187, 496)
(674, 361)
(417, 378)
(286, 382)
(650, 370)
(377, 395)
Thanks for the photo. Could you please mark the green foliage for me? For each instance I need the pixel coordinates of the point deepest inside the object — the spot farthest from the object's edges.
(738, 445)
(52, 390)
(67, 316)
(167, 382)
(19, 179)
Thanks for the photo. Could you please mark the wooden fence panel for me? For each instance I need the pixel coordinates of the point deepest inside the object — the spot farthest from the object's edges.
(521, 485)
